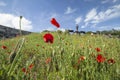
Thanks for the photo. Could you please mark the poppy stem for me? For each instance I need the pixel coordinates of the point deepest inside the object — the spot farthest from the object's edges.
(16, 55)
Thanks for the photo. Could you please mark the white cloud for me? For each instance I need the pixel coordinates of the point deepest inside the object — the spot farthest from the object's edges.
(91, 15)
(13, 21)
(50, 29)
(94, 17)
(62, 29)
(101, 28)
(117, 28)
(107, 1)
(2, 3)
(53, 15)
(104, 1)
(69, 10)
(110, 13)
(83, 26)
(78, 20)
(108, 27)
(114, 0)
(54, 29)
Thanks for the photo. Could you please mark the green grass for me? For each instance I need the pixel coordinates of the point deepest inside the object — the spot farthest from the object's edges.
(63, 57)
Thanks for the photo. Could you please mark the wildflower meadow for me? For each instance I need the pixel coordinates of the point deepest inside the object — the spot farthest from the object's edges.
(60, 56)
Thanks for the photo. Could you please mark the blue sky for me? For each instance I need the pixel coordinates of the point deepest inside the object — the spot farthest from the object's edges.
(90, 15)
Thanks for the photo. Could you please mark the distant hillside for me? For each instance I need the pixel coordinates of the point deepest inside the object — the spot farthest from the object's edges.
(8, 32)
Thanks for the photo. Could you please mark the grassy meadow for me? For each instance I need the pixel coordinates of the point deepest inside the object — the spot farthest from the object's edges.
(69, 57)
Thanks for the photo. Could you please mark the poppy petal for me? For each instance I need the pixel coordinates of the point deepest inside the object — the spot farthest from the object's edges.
(55, 23)
(48, 38)
(100, 58)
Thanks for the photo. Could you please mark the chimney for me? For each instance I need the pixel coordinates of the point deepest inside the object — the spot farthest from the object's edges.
(77, 27)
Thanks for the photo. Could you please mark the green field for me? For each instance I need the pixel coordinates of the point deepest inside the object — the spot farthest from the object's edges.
(69, 57)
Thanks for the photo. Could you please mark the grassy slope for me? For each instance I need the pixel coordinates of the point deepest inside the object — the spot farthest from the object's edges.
(64, 56)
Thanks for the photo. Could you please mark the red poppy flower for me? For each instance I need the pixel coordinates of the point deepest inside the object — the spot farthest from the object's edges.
(100, 58)
(4, 47)
(47, 60)
(48, 38)
(98, 49)
(31, 66)
(55, 23)
(111, 61)
(24, 70)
